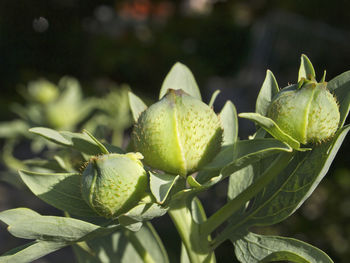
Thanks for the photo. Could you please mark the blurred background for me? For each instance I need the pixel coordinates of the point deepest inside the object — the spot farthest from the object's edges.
(228, 45)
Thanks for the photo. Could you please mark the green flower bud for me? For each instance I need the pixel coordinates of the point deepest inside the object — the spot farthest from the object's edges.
(309, 114)
(43, 91)
(114, 183)
(178, 134)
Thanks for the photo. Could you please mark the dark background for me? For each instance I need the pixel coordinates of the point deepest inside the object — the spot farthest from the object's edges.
(228, 45)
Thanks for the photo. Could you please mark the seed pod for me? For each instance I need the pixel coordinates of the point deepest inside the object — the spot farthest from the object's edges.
(178, 134)
(309, 114)
(114, 183)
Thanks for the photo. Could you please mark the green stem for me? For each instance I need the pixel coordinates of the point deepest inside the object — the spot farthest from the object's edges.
(197, 246)
(225, 212)
(143, 253)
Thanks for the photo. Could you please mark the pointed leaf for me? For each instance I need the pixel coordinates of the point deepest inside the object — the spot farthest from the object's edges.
(144, 212)
(103, 149)
(268, 90)
(51, 135)
(137, 106)
(271, 127)
(161, 184)
(340, 86)
(79, 141)
(24, 223)
(197, 210)
(120, 245)
(61, 190)
(229, 121)
(31, 251)
(251, 151)
(180, 77)
(253, 248)
(213, 98)
(306, 69)
(192, 182)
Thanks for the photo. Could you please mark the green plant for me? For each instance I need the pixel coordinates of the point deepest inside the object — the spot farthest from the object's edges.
(60, 106)
(270, 176)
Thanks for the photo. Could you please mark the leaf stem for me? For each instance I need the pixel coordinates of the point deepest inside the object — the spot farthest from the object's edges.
(235, 204)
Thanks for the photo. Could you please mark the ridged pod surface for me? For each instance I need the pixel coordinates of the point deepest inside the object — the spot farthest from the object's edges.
(178, 134)
(309, 114)
(114, 183)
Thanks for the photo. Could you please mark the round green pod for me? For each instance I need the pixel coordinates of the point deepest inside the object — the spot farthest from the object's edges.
(178, 134)
(309, 114)
(112, 184)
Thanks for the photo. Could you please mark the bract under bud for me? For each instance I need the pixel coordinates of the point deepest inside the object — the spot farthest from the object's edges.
(309, 113)
(114, 183)
(178, 134)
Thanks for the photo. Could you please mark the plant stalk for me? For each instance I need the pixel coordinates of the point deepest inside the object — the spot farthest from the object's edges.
(197, 247)
(225, 212)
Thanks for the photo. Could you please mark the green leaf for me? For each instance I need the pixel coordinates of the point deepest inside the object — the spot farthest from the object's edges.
(246, 153)
(340, 86)
(78, 141)
(223, 158)
(306, 69)
(161, 185)
(130, 223)
(152, 243)
(284, 256)
(61, 190)
(52, 135)
(251, 151)
(121, 245)
(31, 251)
(192, 182)
(144, 212)
(213, 98)
(288, 191)
(25, 223)
(184, 256)
(103, 149)
(180, 77)
(253, 248)
(13, 129)
(137, 106)
(51, 233)
(239, 181)
(268, 90)
(229, 121)
(271, 127)
(197, 210)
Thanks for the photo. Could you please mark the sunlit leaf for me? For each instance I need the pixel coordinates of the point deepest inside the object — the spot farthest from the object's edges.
(180, 77)
(268, 90)
(253, 248)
